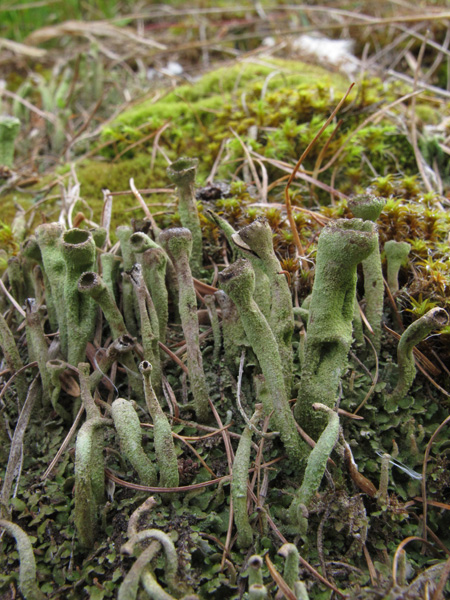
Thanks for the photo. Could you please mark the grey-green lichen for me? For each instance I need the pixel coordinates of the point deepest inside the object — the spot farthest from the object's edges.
(396, 256)
(369, 207)
(182, 174)
(178, 244)
(315, 469)
(127, 424)
(9, 128)
(239, 480)
(435, 319)
(162, 432)
(342, 245)
(258, 237)
(27, 571)
(238, 281)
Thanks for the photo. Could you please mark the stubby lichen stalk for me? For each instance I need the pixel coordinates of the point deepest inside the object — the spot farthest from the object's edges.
(342, 245)
(259, 239)
(178, 244)
(27, 572)
(182, 174)
(162, 433)
(126, 422)
(78, 250)
(238, 281)
(396, 256)
(37, 347)
(239, 479)
(435, 319)
(315, 469)
(369, 207)
(9, 128)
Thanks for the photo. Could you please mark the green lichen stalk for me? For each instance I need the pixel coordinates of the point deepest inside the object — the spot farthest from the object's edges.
(315, 469)
(9, 128)
(262, 294)
(396, 257)
(233, 333)
(126, 422)
(170, 555)
(291, 573)
(258, 237)
(239, 479)
(27, 572)
(78, 250)
(149, 325)
(178, 244)
(37, 347)
(435, 319)
(12, 358)
(88, 477)
(124, 234)
(369, 207)
(162, 433)
(115, 352)
(91, 284)
(48, 237)
(342, 245)
(32, 252)
(55, 369)
(238, 281)
(154, 260)
(182, 174)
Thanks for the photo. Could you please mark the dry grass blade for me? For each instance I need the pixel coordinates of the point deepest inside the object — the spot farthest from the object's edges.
(400, 547)
(252, 166)
(22, 49)
(87, 29)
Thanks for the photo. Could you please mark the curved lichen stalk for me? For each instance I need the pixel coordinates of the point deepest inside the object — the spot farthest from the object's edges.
(238, 281)
(27, 570)
(182, 174)
(315, 470)
(342, 245)
(291, 572)
(435, 319)
(127, 424)
(162, 433)
(170, 555)
(239, 480)
(396, 256)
